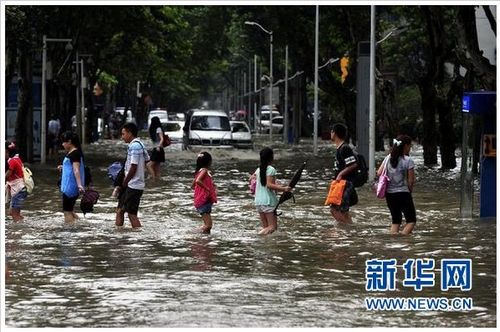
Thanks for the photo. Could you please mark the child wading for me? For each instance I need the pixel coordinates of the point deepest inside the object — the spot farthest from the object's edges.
(265, 196)
(14, 181)
(346, 170)
(205, 193)
(401, 172)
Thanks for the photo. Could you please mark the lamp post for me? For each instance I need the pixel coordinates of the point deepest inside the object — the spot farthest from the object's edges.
(330, 61)
(43, 140)
(393, 32)
(81, 82)
(315, 138)
(248, 91)
(254, 92)
(371, 115)
(285, 108)
(270, 33)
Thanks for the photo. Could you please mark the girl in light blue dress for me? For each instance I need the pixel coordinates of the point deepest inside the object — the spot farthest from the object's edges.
(265, 191)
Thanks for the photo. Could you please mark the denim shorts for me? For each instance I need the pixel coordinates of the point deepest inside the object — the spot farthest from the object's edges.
(205, 208)
(17, 201)
(265, 208)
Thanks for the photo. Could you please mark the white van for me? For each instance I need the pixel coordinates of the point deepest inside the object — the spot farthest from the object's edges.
(208, 128)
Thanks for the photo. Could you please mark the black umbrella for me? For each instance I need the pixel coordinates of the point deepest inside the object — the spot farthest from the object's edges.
(288, 194)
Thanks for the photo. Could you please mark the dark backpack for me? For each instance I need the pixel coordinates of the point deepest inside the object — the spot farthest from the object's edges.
(361, 176)
(116, 173)
(89, 198)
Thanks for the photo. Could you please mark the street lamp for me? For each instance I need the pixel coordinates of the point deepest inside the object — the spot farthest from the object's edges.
(43, 121)
(316, 111)
(330, 61)
(81, 82)
(270, 33)
(371, 112)
(249, 84)
(393, 32)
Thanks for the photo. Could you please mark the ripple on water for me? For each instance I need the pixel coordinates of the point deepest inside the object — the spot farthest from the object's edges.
(311, 273)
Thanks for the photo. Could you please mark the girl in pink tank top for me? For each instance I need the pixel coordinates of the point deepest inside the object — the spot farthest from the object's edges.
(205, 192)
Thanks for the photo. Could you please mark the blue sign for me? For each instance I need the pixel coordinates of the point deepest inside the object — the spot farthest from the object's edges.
(456, 273)
(482, 102)
(380, 274)
(418, 273)
(466, 104)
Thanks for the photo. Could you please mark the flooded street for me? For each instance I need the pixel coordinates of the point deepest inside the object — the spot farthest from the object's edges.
(311, 273)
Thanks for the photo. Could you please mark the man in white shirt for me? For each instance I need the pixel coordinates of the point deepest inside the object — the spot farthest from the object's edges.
(133, 183)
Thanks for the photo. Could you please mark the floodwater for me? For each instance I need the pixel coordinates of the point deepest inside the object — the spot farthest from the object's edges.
(311, 273)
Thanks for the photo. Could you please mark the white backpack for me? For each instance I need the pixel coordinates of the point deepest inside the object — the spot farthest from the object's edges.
(28, 180)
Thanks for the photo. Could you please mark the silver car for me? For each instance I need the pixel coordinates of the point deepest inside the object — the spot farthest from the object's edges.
(242, 136)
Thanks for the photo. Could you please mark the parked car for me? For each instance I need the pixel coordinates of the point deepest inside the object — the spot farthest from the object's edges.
(277, 125)
(265, 115)
(176, 117)
(174, 130)
(120, 111)
(160, 113)
(207, 128)
(242, 136)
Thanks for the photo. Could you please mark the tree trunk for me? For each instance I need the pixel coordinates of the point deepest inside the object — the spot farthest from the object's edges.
(491, 18)
(481, 74)
(429, 139)
(10, 69)
(24, 120)
(447, 137)
(470, 56)
(429, 81)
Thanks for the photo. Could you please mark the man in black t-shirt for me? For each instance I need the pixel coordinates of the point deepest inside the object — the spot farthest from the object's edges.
(346, 170)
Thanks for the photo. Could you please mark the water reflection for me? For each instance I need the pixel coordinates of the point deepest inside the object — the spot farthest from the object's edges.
(308, 274)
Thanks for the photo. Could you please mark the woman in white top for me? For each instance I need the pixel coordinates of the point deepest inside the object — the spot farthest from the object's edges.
(401, 172)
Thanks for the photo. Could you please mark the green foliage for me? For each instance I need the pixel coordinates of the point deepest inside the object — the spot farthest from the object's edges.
(106, 80)
(189, 53)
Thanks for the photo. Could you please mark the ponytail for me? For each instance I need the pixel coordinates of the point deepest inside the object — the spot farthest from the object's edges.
(397, 151)
(266, 157)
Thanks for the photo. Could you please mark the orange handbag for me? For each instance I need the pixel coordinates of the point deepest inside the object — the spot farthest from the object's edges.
(335, 193)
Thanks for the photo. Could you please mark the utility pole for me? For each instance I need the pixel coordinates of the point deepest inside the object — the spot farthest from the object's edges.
(285, 130)
(316, 111)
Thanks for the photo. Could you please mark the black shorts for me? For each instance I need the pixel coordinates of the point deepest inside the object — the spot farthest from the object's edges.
(52, 141)
(129, 200)
(69, 203)
(158, 155)
(399, 204)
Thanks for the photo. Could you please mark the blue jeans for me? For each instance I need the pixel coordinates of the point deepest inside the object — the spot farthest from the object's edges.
(205, 208)
(18, 199)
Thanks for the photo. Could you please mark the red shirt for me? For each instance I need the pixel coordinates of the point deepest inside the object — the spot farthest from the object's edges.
(16, 168)
(201, 195)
